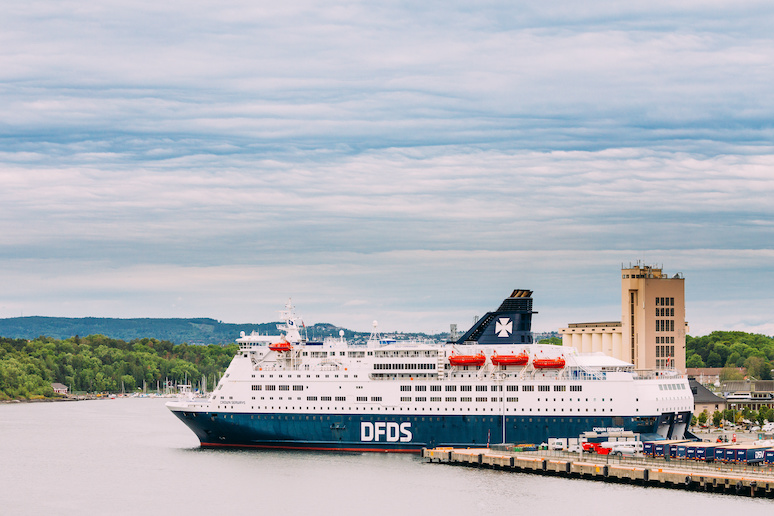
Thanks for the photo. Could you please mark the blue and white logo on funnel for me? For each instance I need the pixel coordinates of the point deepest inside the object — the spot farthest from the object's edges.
(503, 327)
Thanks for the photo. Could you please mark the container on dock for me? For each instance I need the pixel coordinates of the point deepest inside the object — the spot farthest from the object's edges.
(681, 451)
(705, 451)
(725, 453)
(664, 448)
(750, 453)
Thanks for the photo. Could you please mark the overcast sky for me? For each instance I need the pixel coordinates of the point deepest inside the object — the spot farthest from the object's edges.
(400, 161)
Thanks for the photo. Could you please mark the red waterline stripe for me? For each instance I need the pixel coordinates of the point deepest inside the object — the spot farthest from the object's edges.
(313, 448)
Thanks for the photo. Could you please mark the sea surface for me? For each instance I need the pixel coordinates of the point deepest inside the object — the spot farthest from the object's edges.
(133, 457)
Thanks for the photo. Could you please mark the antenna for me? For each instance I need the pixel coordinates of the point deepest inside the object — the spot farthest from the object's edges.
(375, 331)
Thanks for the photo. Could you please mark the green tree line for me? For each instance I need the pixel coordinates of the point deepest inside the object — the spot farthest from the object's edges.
(100, 364)
(732, 349)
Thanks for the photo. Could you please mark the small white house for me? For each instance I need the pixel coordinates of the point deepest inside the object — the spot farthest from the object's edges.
(59, 388)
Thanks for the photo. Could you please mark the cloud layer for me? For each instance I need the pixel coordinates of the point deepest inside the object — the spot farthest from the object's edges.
(383, 160)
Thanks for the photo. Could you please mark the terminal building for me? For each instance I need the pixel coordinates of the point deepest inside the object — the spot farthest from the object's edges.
(652, 329)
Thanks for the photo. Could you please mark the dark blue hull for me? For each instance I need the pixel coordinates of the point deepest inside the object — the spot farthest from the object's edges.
(404, 433)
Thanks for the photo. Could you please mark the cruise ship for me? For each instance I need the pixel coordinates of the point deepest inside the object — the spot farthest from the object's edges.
(492, 385)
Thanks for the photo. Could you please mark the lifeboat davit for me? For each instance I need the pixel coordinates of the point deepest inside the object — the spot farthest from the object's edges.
(280, 346)
(548, 363)
(521, 359)
(468, 360)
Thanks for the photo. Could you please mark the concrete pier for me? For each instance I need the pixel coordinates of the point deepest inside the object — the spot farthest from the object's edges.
(759, 482)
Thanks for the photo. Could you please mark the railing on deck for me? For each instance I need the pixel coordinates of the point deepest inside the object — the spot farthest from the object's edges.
(652, 462)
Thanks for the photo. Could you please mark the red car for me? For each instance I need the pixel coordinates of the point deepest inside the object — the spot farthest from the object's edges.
(596, 448)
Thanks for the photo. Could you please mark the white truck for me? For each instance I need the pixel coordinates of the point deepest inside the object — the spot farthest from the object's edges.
(628, 448)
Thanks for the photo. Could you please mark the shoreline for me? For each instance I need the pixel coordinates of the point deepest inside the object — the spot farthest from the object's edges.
(82, 397)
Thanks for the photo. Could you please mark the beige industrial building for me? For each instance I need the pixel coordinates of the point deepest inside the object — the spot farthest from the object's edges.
(651, 333)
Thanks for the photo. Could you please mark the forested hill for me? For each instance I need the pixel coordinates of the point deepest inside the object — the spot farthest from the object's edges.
(752, 351)
(178, 331)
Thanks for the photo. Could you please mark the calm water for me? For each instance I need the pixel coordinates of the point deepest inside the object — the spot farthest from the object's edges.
(132, 456)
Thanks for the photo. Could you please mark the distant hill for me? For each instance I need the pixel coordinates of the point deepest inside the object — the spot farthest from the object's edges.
(191, 331)
(178, 331)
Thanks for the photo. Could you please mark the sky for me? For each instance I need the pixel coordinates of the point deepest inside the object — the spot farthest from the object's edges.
(405, 162)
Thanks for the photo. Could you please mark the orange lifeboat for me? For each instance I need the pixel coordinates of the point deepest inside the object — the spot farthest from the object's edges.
(280, 346)
(521, 359)
(548, 363)
(468, 360)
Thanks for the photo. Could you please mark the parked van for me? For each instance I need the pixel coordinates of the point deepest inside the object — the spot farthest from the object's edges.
(622, 449)
(637, 446)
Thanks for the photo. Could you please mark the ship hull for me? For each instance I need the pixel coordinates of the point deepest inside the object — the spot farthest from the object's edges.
(383, 433)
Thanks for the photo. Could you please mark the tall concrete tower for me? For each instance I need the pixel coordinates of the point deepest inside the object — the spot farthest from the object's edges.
(653, 324)
(651, 333)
